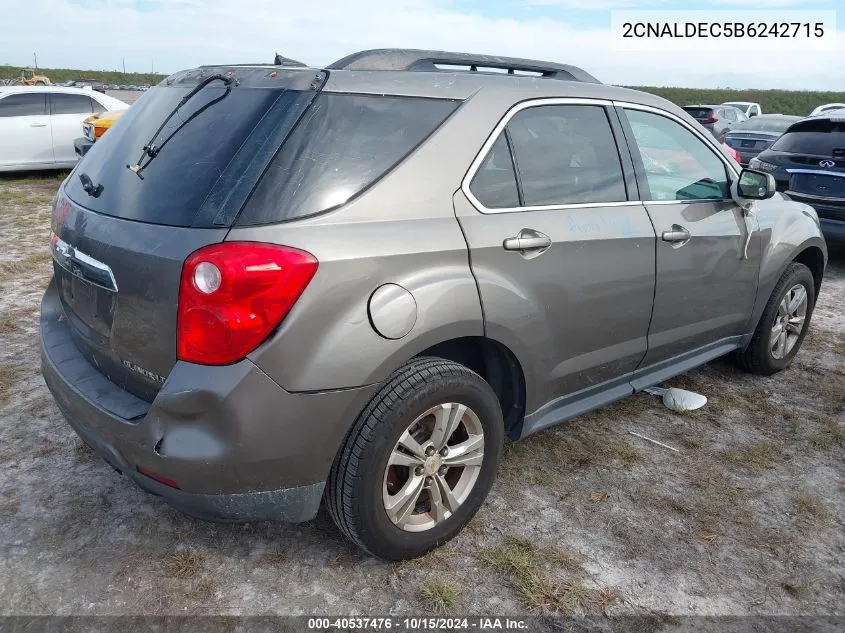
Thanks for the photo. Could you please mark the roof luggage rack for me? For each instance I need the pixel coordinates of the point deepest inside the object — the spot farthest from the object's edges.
(434, 61)
(278, 60)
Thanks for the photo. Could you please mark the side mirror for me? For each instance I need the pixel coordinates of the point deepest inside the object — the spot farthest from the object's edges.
(755, 185)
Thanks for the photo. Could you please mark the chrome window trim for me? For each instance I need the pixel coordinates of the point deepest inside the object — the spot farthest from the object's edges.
(818, 172)
(533, 103)
(494, 135)
(702, 136)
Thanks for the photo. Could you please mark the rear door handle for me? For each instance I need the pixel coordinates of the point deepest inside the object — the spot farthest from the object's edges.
(529, 243)
(37, 125)
(676, 234)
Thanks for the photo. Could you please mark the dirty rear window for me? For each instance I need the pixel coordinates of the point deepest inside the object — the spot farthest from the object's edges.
(820, 137)
(343, 144)
(177, 181)
(700, 113)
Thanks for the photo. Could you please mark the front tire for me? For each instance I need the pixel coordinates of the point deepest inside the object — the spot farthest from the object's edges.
(784, 323)
(419, 460)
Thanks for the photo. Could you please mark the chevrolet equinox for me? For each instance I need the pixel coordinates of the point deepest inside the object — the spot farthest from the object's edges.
(279, 286)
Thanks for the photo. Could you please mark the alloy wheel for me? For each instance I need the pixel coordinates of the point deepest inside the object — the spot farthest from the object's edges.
(433, 467)
(789, 322)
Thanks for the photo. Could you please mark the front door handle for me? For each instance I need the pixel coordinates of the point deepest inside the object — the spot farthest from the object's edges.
(37, 125)
(676, 234)
(529, 243)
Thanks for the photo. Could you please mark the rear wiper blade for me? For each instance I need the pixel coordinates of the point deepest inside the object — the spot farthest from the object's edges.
(150, 150)
(88, 186)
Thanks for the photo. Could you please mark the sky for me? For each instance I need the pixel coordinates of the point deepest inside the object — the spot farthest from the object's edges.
(171, 35)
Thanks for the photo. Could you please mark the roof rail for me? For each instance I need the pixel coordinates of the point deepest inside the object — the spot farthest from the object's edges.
(422, 60)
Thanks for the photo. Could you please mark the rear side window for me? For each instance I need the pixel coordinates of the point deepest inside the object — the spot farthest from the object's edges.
(566, 154)
(343, 144)
(27, 104)
(494, 184)
(70, 104)
(818, 138)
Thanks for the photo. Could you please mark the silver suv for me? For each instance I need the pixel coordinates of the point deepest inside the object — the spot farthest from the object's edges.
(280, 286)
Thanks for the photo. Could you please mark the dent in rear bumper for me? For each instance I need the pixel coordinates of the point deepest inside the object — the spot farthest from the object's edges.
(216, 431)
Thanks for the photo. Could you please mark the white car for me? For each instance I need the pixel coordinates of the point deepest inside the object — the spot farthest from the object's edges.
(748, 108)
(38, 124)
(826, 107)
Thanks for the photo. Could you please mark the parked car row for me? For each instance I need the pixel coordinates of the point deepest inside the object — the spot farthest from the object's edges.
(808, 164)
(38, 124)
(805, 155)
(131, 87)
(716, 119)
(87, 84)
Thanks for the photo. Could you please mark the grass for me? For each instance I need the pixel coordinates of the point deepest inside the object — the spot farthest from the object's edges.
(13, 319)
(9, 376)
(62, 75)
(25, 266)
(771, 101)
(809, 506)
(522, 564)
(275, 558)
(757, 457)
(184, 564)
(203, 591)
(830, 433)
(441, 596)
(45, 449)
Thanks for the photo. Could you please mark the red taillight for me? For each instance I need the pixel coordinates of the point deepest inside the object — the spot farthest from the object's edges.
(734, 154)
(232, 295)
(708, 120)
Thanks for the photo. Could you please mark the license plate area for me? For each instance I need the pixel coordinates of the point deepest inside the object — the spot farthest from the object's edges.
(89, 309)
(822, 185)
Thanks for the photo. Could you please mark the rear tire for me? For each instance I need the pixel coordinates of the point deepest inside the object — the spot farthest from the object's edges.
(447, 414)
(784, 323)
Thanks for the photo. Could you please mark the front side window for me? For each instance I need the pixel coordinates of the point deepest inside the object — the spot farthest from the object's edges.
(677, 164)
(26, 104)
(70, 104)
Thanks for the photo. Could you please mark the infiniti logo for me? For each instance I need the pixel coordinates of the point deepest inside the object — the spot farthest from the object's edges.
(827, 163)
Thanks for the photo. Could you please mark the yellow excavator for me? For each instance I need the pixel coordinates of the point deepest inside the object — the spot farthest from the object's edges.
(29, 77)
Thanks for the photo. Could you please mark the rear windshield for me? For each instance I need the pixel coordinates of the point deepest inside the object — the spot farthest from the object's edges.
(761, 124)
(819, 138)
(343, 144)
(700, 113)
(178, 179)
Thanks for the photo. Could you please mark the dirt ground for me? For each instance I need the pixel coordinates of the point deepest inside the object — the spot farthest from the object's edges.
(747, 518)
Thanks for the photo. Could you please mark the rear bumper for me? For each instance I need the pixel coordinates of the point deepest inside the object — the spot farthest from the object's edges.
(831, 212)
(745, 157)
(833, 229)
(237, 446)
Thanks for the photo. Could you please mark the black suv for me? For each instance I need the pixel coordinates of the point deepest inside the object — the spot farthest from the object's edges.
(808, 163)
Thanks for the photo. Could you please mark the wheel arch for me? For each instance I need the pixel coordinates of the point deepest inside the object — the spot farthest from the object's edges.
(811, 252)
(497, 364)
